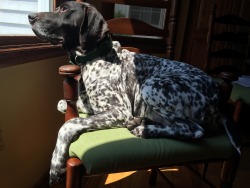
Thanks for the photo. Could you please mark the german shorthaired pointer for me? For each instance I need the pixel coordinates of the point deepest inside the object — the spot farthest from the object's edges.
(151, 96)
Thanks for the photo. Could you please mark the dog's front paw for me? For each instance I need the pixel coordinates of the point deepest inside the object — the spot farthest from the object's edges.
(56, 177)
(58, 163)
(135, 122)
(62, 106)
(57, 172)
(140, 131)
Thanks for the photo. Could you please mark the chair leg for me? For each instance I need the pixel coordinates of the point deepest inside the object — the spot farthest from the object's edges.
(74, 173)
(204, 170)
(229, 171)
(153, 177)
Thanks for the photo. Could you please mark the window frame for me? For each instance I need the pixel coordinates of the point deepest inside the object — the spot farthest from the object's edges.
(16, 50)
(161, 12)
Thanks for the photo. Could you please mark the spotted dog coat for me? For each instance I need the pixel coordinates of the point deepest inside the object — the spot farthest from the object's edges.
(151, 96)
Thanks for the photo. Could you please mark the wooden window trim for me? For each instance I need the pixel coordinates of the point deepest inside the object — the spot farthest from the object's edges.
(16, 50)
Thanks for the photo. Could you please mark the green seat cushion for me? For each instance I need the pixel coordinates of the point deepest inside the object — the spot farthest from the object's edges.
(116, 150)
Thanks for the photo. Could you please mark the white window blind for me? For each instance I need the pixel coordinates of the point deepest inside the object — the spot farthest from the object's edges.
(14, 15)
(152, 16)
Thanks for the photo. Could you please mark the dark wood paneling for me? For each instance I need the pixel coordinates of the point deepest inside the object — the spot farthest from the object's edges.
(197, 26)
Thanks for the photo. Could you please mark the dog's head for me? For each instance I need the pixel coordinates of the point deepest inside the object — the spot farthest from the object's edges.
(75, 25)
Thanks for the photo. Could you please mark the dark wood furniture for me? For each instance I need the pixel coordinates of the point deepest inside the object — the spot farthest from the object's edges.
(227, 43)
(196, 24)
(139, 34)
(228, 49)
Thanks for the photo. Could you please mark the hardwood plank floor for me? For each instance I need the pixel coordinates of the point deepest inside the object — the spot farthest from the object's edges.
(180, 177)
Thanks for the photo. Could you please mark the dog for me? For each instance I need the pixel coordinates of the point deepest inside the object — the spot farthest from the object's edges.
(151, 96)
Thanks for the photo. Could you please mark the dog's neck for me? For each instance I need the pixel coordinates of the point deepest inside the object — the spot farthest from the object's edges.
(103, 47)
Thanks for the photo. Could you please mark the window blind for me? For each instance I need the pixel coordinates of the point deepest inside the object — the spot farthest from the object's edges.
(152, 16)
(14, 15)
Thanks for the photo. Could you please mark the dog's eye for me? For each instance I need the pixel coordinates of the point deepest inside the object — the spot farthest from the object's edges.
(63, 9)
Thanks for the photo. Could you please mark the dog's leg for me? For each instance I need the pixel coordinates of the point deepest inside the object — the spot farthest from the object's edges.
(72, 129)
(178, 128)
(180, 104)
(62, 106)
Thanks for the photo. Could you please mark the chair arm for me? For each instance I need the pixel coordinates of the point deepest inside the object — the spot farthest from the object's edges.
(70, 88)
(226, 89)
(226, 86)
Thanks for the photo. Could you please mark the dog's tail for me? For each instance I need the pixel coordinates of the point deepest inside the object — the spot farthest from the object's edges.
(232, 132)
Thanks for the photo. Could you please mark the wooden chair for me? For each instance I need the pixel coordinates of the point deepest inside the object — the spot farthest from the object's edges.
(228, 43)
(116, 150)
(139, 34)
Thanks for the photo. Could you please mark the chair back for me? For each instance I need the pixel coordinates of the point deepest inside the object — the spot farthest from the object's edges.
(136, 29)
(227, 43)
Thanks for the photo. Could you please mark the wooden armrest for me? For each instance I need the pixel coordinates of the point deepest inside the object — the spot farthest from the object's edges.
(226, 86)
(238, 110)
(70, 88)
(132, 49)
(225, 91)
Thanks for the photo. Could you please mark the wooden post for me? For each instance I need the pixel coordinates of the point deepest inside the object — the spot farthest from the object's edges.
(172, 29)
(70, 88)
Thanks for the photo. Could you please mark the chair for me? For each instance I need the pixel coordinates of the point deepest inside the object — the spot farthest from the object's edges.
(116, 150)
(132, 31)
(228, 43)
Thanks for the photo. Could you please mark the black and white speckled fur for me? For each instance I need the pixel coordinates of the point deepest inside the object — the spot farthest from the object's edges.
(151, 96)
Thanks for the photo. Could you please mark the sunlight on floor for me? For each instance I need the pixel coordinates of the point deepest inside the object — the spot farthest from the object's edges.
(119, 176)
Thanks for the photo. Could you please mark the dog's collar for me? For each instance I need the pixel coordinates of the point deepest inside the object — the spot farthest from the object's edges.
(103, 48)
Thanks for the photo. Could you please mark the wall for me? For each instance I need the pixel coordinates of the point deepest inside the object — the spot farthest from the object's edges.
(29, 120)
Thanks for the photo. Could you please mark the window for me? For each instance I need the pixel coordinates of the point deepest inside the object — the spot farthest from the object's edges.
(13, 15)
(18, 44)
(152, 16)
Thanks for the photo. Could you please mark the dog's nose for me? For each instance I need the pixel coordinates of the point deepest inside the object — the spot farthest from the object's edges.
(32, 18)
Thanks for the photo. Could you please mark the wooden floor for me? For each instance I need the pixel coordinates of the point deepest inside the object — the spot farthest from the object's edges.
(180, 177)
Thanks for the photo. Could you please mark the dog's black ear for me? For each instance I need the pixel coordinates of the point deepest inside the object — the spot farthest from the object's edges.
(93, 28)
